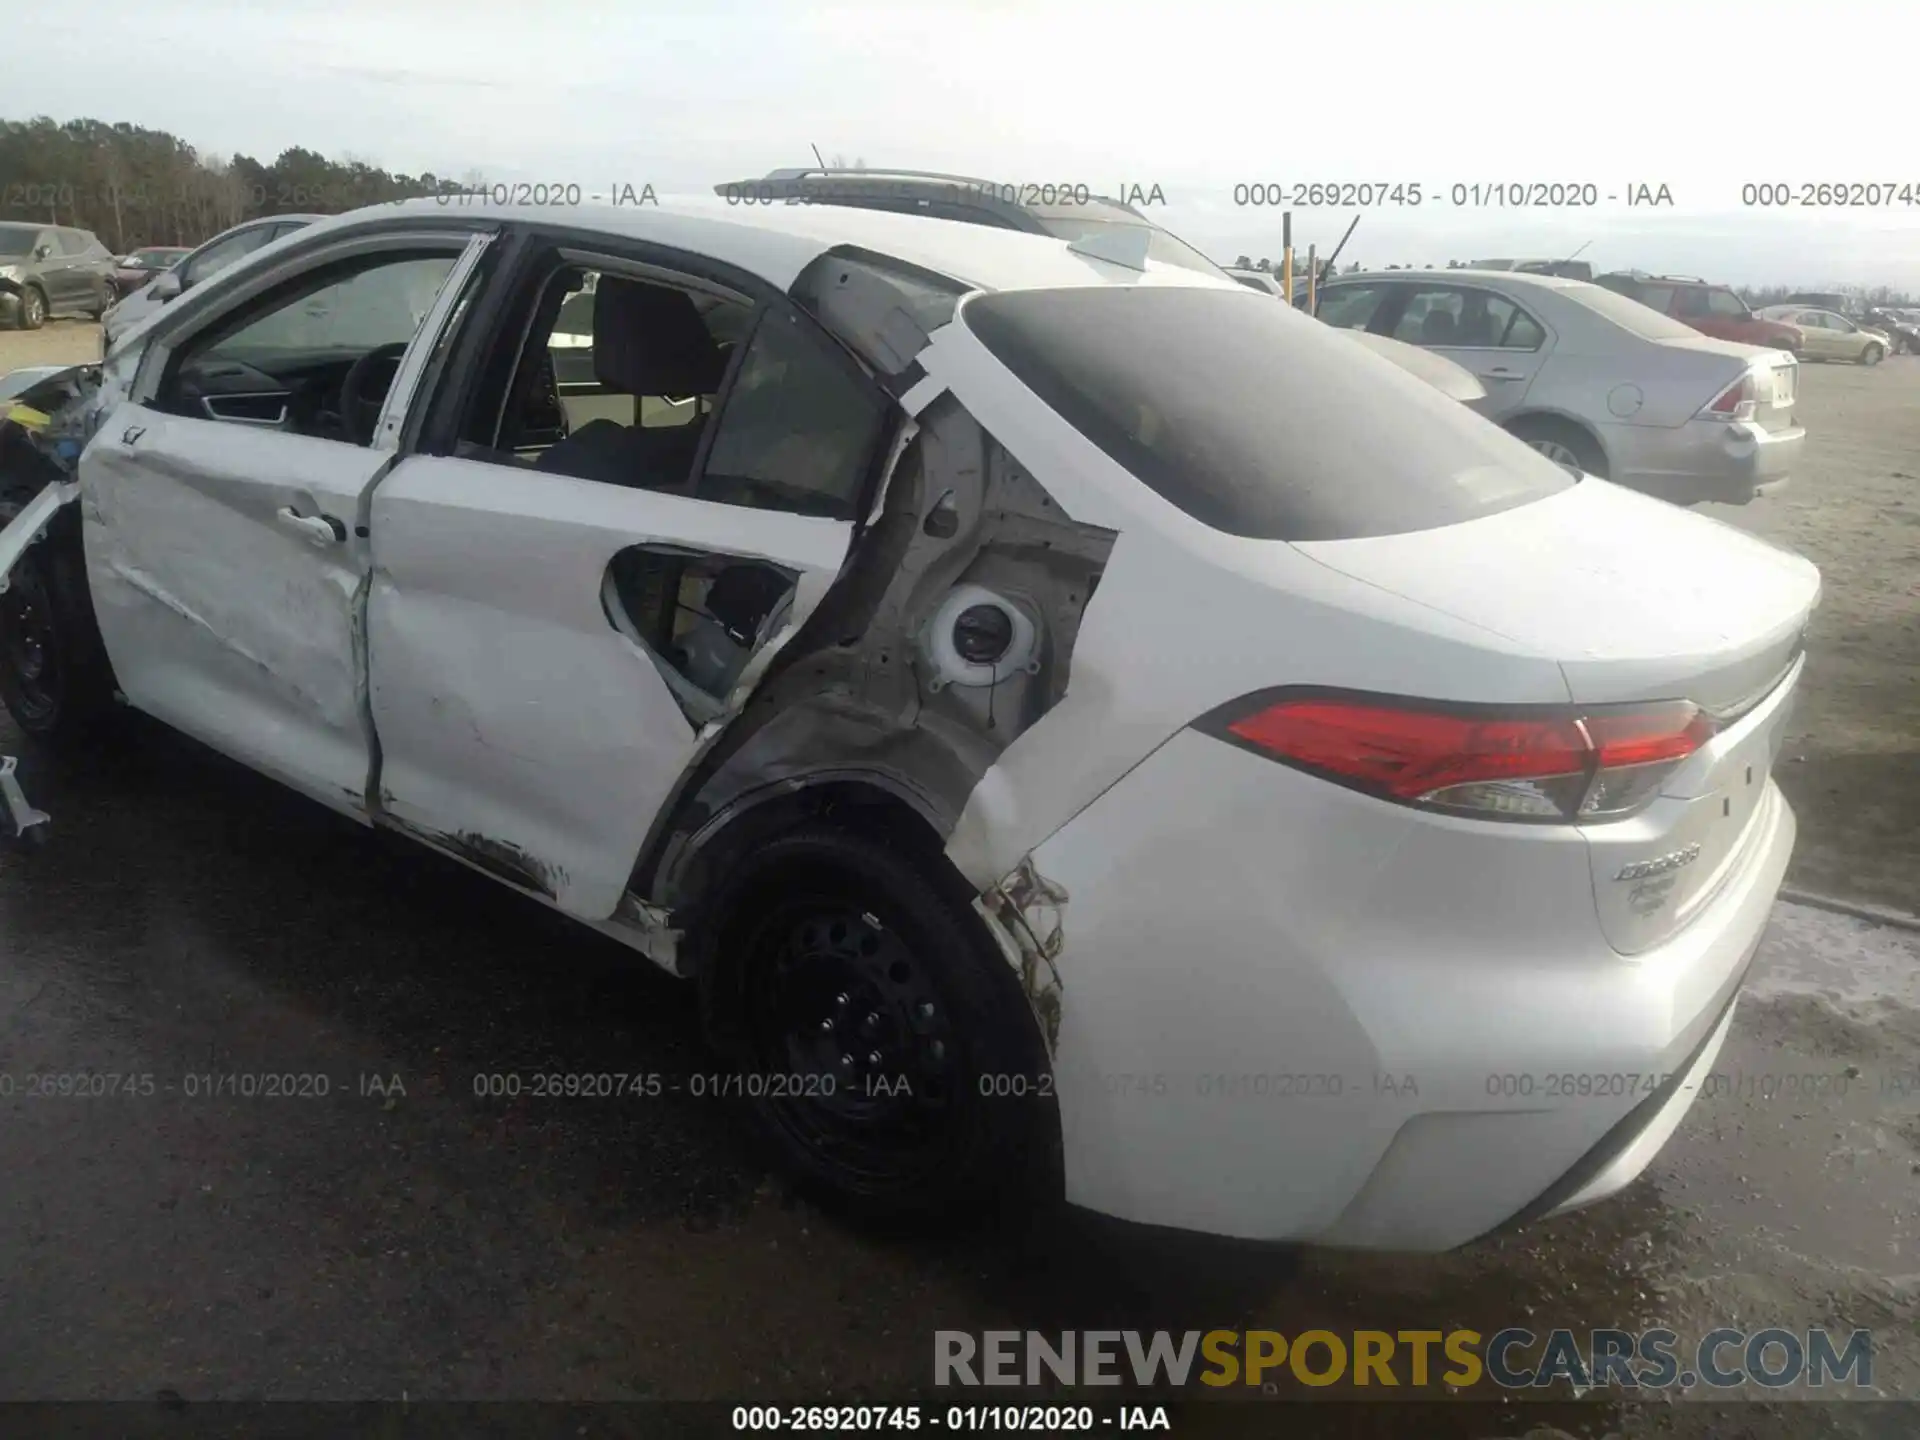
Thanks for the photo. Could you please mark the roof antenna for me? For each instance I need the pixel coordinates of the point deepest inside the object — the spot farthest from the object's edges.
(817, 155)
(1573, 257)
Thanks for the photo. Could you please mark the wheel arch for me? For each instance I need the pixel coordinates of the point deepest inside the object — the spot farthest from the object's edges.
(1555, 415)
(688, 874)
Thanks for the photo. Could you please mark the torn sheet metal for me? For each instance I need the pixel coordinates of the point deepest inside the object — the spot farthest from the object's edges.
(866, 695)
(49, 410)
(1030, 910)
(31, 524)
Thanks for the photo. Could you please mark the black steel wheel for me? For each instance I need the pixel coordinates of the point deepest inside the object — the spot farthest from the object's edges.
(32, 679)
(886, 1050)
(55, 678)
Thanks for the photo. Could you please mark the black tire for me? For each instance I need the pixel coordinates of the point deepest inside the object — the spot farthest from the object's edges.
(1872, 355)
(30, 310)
(834, 956)
(1550, 434)
(55, 678)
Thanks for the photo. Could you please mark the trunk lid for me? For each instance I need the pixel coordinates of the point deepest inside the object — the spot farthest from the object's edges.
(1776, 375)
(1637, 601)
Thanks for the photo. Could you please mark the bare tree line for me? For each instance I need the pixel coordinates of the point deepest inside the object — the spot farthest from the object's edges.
(133, 186)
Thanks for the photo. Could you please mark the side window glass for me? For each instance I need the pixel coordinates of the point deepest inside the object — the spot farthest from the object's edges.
(799, 429)
(315, 362)
(217, 257)
(1350, 307)
(1431, 317)
(1522, 331)
(1725, 302)
(604, 377)
(47, 247)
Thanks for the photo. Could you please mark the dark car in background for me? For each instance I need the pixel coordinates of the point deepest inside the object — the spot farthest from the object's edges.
(197, 265)
(1701, 305)
(1900, 326)
(133, 270)
(52, 270)
(1067, 212)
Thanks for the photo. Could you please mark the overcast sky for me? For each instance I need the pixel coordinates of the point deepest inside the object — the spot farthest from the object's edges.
(1193, 97)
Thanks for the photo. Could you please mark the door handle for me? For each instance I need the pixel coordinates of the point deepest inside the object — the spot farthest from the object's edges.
(1507, 375)
(320, 529)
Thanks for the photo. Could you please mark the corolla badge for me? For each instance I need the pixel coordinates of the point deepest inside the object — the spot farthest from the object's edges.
(1674, 860)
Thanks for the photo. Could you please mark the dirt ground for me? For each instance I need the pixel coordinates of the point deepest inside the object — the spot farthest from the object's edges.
(1852, 764)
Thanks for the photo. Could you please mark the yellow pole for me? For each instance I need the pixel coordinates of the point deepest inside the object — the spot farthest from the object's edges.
(1286, 254)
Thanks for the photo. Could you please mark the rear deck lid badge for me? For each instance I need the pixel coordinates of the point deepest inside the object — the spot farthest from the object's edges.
(1641, 869)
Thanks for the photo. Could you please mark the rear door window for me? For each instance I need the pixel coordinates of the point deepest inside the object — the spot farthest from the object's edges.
(799, 429)
(1464, 317)
(1250, 418)
(1350, 307)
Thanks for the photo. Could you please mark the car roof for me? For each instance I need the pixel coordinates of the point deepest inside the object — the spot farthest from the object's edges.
(777, 242)
(1524, 278)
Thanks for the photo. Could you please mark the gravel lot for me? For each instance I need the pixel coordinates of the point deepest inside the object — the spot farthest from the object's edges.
(193, 918)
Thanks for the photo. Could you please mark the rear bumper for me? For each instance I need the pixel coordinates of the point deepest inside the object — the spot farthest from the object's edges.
(1292, 1012)
(1703, 460)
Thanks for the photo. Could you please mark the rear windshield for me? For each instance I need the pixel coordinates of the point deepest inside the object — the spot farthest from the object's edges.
(1629, 314)
(1254, 418)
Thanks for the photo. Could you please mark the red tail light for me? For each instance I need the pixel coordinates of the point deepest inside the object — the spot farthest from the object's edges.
(1736, 402)
(1544, 765)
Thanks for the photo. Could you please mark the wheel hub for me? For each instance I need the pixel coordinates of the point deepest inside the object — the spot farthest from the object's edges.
(28, 645)
(850, 1001)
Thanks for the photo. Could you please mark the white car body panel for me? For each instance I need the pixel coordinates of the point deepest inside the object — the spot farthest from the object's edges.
(1135, 666)
(1383, 977)
(1634, 611)
(1276, 1007)
(219, 617)
(224, 606)
(30, 524)
(514, 720)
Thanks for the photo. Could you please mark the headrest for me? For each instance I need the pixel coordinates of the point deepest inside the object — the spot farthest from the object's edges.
(650, 340)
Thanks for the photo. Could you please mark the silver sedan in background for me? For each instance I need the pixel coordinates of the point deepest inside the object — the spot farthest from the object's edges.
(1596, 381)
(202, 264)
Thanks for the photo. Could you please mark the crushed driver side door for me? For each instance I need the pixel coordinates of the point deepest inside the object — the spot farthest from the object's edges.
(222, 507)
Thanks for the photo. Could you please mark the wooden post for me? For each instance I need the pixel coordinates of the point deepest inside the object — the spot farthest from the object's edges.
(1286, 254)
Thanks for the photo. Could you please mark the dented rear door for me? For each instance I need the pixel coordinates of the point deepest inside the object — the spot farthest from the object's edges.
(525, 725)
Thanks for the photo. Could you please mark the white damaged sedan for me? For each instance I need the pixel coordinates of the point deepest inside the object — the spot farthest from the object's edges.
(1086, 729)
